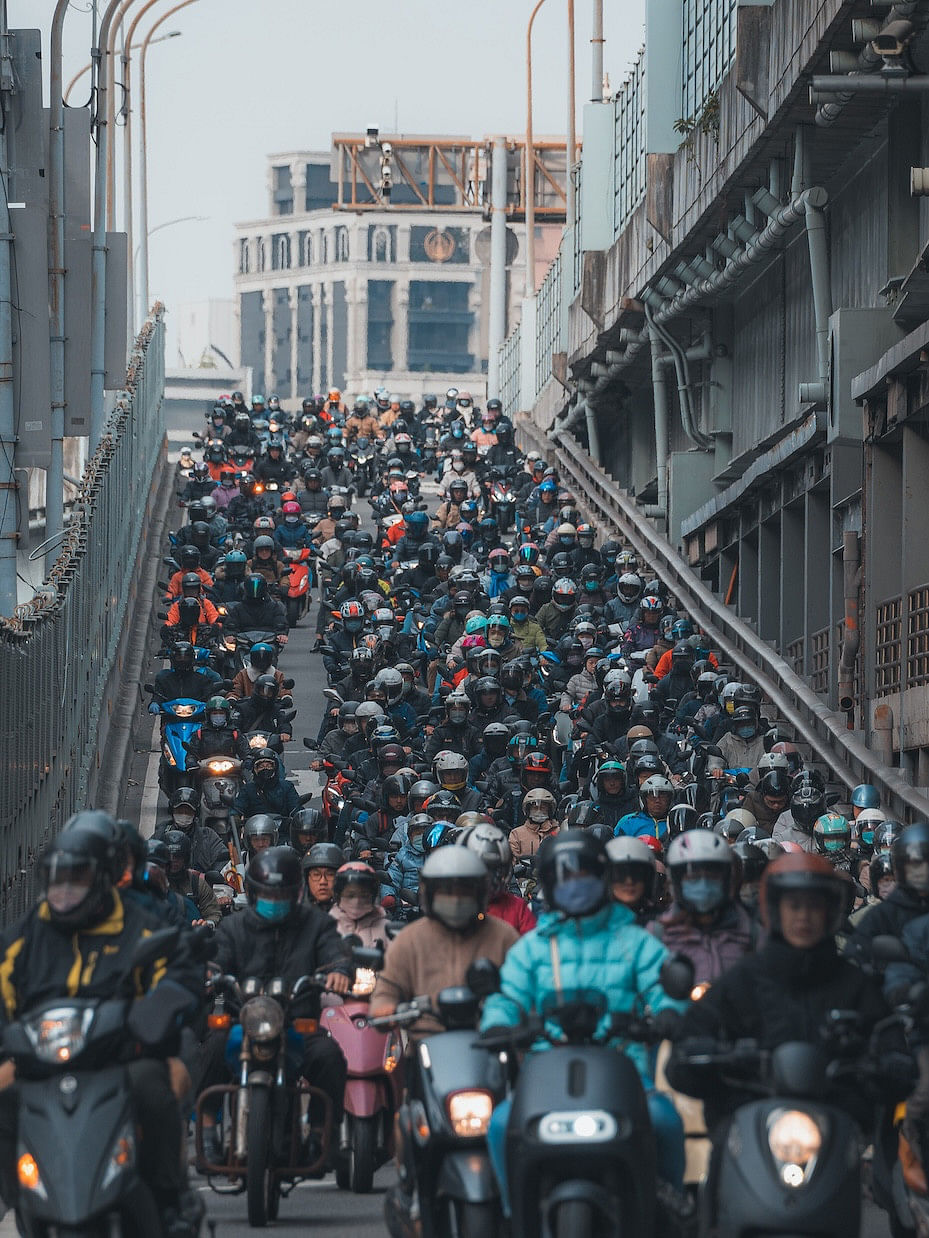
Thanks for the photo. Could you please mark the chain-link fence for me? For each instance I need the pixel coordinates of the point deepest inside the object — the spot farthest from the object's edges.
(57, 651)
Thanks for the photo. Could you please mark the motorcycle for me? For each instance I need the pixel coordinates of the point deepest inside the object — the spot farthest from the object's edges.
(77, 1154)
(298, 592)
(361, 459)
(502, 499)
(442, 1122)
(221, 778)
(374, 1084)
(180, 718)
(271, 1143)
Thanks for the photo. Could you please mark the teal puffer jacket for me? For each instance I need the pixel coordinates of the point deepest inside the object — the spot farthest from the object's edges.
(607, 951)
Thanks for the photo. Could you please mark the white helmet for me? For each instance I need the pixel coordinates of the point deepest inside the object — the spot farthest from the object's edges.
(627, 850)
(450, 769)
(771, 760)
(539, 805)
(490, 843)
(689, 855)
(656, 784)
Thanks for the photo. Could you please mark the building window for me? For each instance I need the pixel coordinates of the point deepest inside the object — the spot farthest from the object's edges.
(280, 252)
(382, 244)
(380, 321)
(305, 257)
(260, 253)
(282, 194)
(244, 257)
(341, 244)
(440, 324)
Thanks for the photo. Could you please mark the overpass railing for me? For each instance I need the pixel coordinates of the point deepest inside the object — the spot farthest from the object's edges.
(57, 651)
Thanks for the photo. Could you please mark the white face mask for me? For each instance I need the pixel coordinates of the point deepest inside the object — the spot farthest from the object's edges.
(456, 911)
(66, 896)
(538, 816)
(355, 906)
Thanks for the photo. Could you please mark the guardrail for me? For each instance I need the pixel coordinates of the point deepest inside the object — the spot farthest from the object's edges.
(57, 651)
(813, 722)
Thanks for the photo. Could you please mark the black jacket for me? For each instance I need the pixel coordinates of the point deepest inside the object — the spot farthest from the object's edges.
(247, 945)
(208, 852)
(193, 685)
(888, 917)
(40, 961)
(267, 616)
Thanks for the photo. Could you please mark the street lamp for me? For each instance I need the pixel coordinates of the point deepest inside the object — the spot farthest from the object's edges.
(172, 34)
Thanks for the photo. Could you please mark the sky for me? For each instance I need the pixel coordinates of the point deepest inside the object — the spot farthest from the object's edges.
(247, 79)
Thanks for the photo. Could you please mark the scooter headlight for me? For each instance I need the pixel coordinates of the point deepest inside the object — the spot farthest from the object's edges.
(220, 767)
(229, 643)
(583, 1126)
(469, 1112)
(261, 1019)
(257, 741)
(27, 1172)
(364, 982)
(795, 1139)
(59, 1035)
(184, 711)
(122, 1155)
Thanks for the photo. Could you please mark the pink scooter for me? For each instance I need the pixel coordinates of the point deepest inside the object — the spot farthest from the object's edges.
(373, 1087)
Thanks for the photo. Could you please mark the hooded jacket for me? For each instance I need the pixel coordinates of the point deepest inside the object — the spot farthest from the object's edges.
(713, 948)
(276, 796)
(888, 917)
(403, 869)
(526, 839)
(606, 951)
(369, 927)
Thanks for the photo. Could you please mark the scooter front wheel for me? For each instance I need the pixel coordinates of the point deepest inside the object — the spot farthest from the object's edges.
(362, 1155)
(258, 1145)
(469, 1220)
(574, 1219)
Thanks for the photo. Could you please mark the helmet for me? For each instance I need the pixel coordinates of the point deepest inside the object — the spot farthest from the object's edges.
(391, 681)
(700, 866)
(443, 806)
(78, 869)
(218, 709)
(535, 769)
(572, 869)
(306, 827)
(910, 855)
(629, 588)
(352, 615)
(182, 656)
(261, 656)
(451, 770)
(807, 800)
(656, 784)
(358, 876)
(262, 825)
(631, 858)
(734, 822)
(879, 868)
(156, 852)
(682, 817)
(457, 708)
(539, 805)
(255, 589)
(274, 883)
(324, 855)
(752, 860)
(831, 832)
(178, 847)
(495, 738)
(865, 825)
(651, 605)
(775, 784)
(454, 887)
(421, 792)
(266, 688)
(800, 872)
(564, 594)
(866, 796)
(489, 842)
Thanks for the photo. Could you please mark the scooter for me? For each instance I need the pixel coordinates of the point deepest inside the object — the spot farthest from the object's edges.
(180, 718)
(220, 780)
(77, 1152)
(298, 591)
(375, 1079)
(442, 1122)
(502, 499)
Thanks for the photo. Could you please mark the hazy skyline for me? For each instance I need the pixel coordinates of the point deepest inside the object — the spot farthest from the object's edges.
(234, 89)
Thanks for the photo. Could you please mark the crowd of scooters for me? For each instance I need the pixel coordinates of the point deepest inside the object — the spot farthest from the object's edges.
(576, 935)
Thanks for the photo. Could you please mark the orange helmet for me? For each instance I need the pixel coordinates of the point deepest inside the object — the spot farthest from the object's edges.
(802, 873)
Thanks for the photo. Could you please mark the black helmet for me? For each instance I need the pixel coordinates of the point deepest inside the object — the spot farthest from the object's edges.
(262, 543)
(266, 688)
(495, 738)
(184, 805)
(255, 589)
(190, 558)
(752, 859)
(775, 783)
(77, 871)
(182, 656)
(421, 793)
(274, 883)
(306, 824)
(178, 845)
(188, 612)
(156, 852)
(910, 856)
(807, 800)
(324, 855)
(572, 868)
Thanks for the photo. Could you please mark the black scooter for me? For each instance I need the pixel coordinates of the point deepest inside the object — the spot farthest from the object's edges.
(77, 1148)
(452, 1087)
(580, 1151)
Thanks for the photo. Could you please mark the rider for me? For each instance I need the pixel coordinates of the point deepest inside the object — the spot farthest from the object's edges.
(356, 911)
(182, 681)
(76, 943)
(280, 936)
(490, 843)
(207, 850)
(586, 941)
(320, 865)
(269, 791)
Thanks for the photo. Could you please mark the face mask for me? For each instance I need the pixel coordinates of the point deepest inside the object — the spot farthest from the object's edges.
(495, 638)
(917, 876)
(591, 586)
(272, 909)
(291, 519)
(586, 641)
(183, 820)
(264, 775)
(65, 896)
(867, 837)
(566, 541)
(355, 907)
(745, 732)
(538, 816)
(217, 720)
(579, 896)
(834, 844)
(702, 894)
(416, 842)
(456, 911)
(748, 896)
(520, 616)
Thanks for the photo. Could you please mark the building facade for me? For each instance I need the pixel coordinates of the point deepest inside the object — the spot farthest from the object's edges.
(740, 308)
(388, 286)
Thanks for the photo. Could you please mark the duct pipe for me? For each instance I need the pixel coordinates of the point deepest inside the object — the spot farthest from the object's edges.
(593, 435)
(828, 87)
(497, 316)
(9, 532)
(660, 391)
(868, 62)
(851, 637)
(688, 420)
(822, 295)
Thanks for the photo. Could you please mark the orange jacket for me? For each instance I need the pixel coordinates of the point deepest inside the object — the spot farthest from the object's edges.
(208, 613)
(174, 584)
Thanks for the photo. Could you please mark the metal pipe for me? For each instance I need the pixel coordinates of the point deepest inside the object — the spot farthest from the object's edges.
(54, 477)
(529, 187)
(596, 48)
(98, 268)
(109, 69)
(143, 161)
(570, 188)
(819, 278)
(9, 506)
(868, 62)
(660, 392)
(851, 638)
(688, 417)
(882, 734)
(593, 435)
(827, 87)
(496, 329)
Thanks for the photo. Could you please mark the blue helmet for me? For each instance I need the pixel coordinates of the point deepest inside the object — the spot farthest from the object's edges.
(416, 522)
(866, 796)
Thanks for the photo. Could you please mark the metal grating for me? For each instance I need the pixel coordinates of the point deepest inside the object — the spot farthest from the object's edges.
(708, 50)
(511, 372)
(795, 654)
(887, 646)
(548, 324)
(917, 637)
(819, 661)
(629, 146)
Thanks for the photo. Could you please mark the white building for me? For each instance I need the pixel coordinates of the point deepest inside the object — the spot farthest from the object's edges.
(361, 277)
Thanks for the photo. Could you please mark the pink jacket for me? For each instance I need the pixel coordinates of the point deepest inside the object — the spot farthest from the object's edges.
(370, 928)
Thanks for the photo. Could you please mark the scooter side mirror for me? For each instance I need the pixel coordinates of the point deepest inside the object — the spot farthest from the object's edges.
(289, 683)
(677, 977)
(150, 948)
(483, 977)
(149, 687)
(370, 957)
(458, 1007)
(312, 744)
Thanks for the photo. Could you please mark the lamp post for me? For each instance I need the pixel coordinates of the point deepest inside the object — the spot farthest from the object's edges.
(172, 34)
(530, 161)
(143, 138)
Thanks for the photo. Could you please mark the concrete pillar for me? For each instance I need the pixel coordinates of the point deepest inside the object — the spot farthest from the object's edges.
(357, 296)
(293, 300)
(330, 301)
(317, 335)
(790, 575)
(267, 306)
(769, 562)
(403, 243)
(497, 314)
(817, 560)
(400, 333)
(298, 182)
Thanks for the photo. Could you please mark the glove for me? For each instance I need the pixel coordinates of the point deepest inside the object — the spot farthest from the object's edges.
(668, 1024)
(153, 708)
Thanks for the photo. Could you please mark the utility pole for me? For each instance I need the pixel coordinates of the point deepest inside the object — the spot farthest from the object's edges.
(571, 151)
(497, 318)
(8, 497)
(596, 47)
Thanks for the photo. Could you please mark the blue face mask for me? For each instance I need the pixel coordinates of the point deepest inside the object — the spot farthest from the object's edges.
(867, 837)
(745, 732)
(579, 896)
(702, 894)
(416, 842)
(566, 541)
(272, 909)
